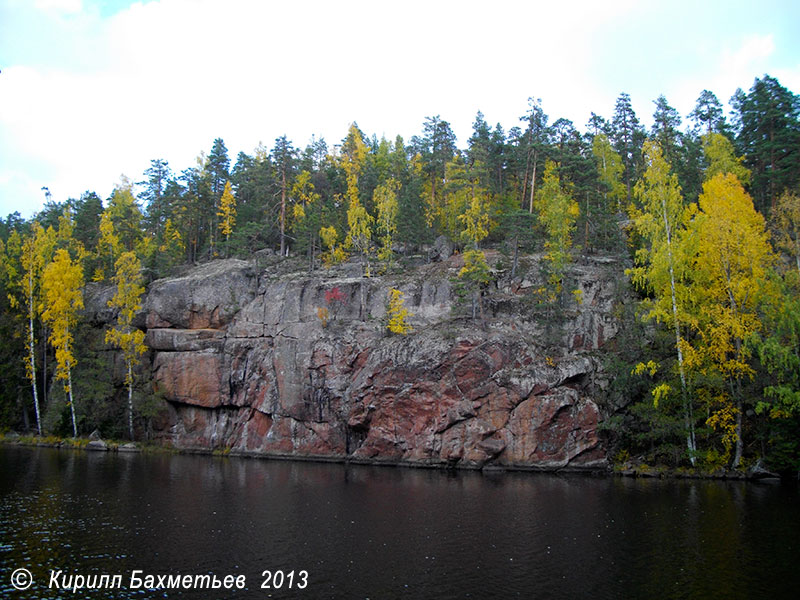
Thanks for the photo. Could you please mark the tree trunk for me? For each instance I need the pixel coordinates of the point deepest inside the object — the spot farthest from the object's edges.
(533, 184)
(516, 256)
(71, 402)
(690, 439)
(130, 401)
(32, 354)
(44, 363)
(797, 251)
(525, 181)
(474, 305)
(283, 212)
(739, 448)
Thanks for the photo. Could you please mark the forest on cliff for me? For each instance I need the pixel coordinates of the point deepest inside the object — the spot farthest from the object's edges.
(707, 214)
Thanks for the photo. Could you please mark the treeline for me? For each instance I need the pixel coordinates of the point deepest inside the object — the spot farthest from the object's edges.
(709, 212)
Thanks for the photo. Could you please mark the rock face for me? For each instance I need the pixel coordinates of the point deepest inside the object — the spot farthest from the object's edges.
(246, 361)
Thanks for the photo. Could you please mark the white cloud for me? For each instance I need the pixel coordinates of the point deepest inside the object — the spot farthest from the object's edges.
(754, 49)
(171, 75)
(165, 77)
(59, 6)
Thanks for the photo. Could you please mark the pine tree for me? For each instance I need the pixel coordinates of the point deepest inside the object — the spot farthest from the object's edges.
(627, 136)
(666, 132)
(284, 157)
(218, 168)
(533, 143)
(769, 137)
(436, 148)
(154, 196)
(707, 114)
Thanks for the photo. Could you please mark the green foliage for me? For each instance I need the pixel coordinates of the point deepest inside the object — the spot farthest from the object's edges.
(475, 222)
(306, 215)
(172, 248)
(475, 268)
(557, 213)
(786, 228)
(721, 338)
(385, 199)
(476, 273)
(707, 114)
(720, 158)
(99, 407)
(610, 169)
(12, 371)
(127, 300)
(779, 352)
(329, 239)
(768, 134)
(359, 233)
(627, 136)
(126, 218)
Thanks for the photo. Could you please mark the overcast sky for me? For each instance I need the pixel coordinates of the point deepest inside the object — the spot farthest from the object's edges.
(93, 89)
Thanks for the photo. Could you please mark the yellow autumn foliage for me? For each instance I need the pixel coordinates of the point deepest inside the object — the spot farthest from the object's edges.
(398, 314)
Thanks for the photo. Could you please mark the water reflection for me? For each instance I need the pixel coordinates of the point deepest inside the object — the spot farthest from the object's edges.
(391, 533)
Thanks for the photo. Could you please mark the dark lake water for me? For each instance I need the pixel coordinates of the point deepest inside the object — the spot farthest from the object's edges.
(371, 532)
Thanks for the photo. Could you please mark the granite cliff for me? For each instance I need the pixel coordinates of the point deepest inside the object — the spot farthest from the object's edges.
(244, 361)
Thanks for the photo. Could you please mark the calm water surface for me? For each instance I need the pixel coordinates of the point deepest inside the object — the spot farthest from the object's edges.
(371, 532)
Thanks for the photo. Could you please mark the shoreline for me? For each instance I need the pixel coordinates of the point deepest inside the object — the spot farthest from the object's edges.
(643, 471)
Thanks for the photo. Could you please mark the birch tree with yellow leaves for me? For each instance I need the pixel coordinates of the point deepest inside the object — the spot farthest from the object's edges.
(558, 212)
(62, 284)
(475, 270)
(609, 170)
(128, 279)
(227, 213)
(37, 248)
(659, 265)
(385, 199)
(398, 314)
(730, 272)
(306, 215)
(359, 221)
